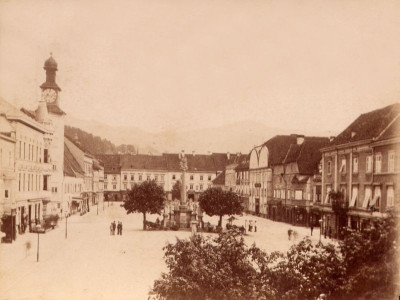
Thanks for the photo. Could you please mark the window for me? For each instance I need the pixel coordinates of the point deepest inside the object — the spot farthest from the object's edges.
(377, 197)
(298, 194)
(355, 164)
(368, 167)
(209, 177)
(125, 177)
(44, 182)
(191, 177)
(201, 177)
(391, 155)
(132, 177)
(173, 176)
(367, 197)
(105, 186)
(390, 196)
(114, 186)
(125, 186)
(378, 162)
(45, 155)
(5, 193)
(343, 165)
(329, 167)
(191, 186)
(114, 177)
(283, 194)
(278, 193)
(274, 193)
(201, 187)
(140, 177)
(327, 197)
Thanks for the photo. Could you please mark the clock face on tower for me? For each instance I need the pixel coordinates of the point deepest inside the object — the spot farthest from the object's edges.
(49, 95)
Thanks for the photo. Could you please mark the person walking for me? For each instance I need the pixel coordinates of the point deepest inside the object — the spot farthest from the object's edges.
(113, 227)
(312, 228)
(120, 228)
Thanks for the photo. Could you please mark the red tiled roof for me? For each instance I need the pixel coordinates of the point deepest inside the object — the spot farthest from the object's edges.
(369, 125)
(111, 162)
(220, 179)
(278, 147)
(71, 165)
(307, 155)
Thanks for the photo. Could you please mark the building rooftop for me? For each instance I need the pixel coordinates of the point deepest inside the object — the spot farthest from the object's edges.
(379, 123)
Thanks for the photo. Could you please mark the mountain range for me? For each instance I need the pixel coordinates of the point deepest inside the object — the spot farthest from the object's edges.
(235, 137)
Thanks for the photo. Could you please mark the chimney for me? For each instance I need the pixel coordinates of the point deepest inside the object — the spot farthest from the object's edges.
(228, 155)
(300, 139)
(41, 112)
(331, 138)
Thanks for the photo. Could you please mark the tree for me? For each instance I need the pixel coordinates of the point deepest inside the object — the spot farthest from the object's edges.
(362, 266)
(147, 197)
(176, 190)
(216, 202)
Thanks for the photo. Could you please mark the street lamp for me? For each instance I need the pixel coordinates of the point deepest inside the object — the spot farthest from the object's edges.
(38, 227)
(320, 229)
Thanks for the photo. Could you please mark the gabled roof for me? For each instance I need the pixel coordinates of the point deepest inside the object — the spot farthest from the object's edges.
(143, 162)
(278, 148)
(369, 125)
(307, 155)
(220, 179)
(71, 165)
(112, 163)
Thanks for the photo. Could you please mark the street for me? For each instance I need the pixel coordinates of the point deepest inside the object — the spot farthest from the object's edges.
(91, 264)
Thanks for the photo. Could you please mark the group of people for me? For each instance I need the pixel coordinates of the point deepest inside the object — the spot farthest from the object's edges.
(114, 226)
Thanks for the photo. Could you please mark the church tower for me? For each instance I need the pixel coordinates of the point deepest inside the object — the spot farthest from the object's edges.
(50, 89)
(55, 122)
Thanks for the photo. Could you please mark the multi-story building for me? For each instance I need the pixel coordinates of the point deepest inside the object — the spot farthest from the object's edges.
(123, 171)
(293, 179)
(260, 180)
(362, 163)
(73, 184)
(31, 195)
(85, 161)
(243, 181)
(112, 176)
(98, 182)
(7, 175)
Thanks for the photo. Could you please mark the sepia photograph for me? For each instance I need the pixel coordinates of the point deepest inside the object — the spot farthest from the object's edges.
(199, 150)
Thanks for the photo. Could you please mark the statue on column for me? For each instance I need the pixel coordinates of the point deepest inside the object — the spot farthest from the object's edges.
(184, 168)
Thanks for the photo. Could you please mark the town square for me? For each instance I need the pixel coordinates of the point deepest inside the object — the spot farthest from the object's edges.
(199, 150)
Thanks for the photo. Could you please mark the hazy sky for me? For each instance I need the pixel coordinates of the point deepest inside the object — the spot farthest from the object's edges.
(305, 65)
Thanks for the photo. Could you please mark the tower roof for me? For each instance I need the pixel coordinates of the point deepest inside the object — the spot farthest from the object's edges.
(50, 63)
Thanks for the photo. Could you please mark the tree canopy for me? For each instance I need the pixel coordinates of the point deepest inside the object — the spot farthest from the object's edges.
(147, 197)
(217, 202)
(362, 266)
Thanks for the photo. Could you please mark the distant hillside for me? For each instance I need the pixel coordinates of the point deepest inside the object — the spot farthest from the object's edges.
(236, 137)
(95, 144)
